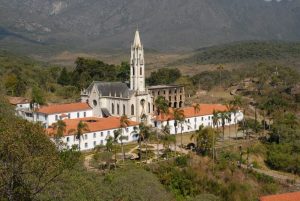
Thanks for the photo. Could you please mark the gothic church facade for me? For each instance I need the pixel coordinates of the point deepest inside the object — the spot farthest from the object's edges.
(116, 98)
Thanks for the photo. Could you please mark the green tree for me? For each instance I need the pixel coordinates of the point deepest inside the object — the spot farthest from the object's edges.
(82, 128)
(124, 122)
(64, 77)
(37, 96)
(236, 103)
(29, 161)
(162, 106)
(59, 129)
(224, 117)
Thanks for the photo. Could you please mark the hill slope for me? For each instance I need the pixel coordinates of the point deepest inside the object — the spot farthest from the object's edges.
(165, 25)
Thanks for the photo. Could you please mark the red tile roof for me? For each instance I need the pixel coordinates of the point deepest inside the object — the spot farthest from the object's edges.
(94, 124)
(64, 108)
(17, 100)
(205, 109)
(282, 197)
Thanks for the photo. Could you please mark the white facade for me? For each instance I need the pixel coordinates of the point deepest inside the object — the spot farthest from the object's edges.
(91, 140)
(193, 123)
(49, 119)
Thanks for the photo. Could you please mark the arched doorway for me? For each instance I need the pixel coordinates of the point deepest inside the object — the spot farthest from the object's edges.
(175, 104)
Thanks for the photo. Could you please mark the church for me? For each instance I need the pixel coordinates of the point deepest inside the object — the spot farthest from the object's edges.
(117, 98)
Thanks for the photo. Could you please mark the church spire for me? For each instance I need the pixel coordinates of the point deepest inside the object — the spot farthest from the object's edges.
(137, 40)
(137, 72)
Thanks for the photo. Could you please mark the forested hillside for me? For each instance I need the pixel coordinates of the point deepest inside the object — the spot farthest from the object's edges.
(245, 51)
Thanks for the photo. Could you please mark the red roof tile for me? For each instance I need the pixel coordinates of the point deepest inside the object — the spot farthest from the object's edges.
(205, 109)
(64, 108)
(94, 124)
(282, 197)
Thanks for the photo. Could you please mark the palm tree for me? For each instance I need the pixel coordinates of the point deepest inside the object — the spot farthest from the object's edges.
(59, 129)
(195, 135)
(196, 110)
(216, 118)
(236, 103)
(162, 106)
(230, 109)
(112, 143)
(167, 138)
(82, 128)
(220, 68)
(178, 119)
(124, 122)
(143, 131)
(224, 116)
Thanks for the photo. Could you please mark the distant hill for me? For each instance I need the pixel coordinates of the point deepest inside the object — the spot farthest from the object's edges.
(94, 25)
(244, 51)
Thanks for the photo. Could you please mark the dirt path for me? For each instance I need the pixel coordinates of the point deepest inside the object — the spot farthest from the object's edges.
(87, 164)
(282, 177)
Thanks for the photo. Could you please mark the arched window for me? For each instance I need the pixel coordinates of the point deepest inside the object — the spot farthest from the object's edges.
(118, 109)
(132, 109)
(133, 71)
(124, 110)
(149, 108)
(141, 71)
(112, 108)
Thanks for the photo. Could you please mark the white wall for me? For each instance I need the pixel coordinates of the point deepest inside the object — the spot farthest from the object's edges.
(48, 120)
(193, 123)
(90, 140)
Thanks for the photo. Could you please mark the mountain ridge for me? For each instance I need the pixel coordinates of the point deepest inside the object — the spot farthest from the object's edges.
(165, 25)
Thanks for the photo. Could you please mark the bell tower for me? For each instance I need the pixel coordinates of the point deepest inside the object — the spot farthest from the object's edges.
(137, 65)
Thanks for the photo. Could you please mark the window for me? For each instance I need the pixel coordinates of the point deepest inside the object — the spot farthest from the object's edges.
(95, 103)
(118, 109)
(180, 97)
(188, 120)
(84, 114)
(208, 117)
(158, 93)
(95, 135)
(164, 92)
(78, 115)
(86, 137)
(127, 130)
(132, 109)
(141, 71)
(86, 145)
(201, 118)
(175, 91)
(68, 139)
(101, 134)
(124, 110)
(170, 91)
(149, 108)
(101, 142)
(69, 116)
(108, 132)
(112, 108)
(170, 98)
(133, 71)
(38, 116)
(195, 120)
(46, 117)
(56, 117)
(95, 143)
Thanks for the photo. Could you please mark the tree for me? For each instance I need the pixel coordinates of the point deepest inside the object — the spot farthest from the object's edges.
(205, 138)
(162, 106)
(195, 135)
(37, 96)
(224, 116)
(143, 131)
(114, 142)
(179, 118)
(236, 104)
(82, 128)
(124, 122)
(29, 160)
(167, 138)
(220, 68)
(197, 109)
(59, 129)
(64, 77)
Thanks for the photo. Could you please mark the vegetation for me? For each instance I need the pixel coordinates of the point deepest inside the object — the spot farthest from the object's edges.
(245, 51)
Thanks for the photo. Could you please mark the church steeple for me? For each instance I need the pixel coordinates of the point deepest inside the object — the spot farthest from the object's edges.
(137, 71)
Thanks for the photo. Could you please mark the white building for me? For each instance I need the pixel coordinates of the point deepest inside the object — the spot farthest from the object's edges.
(22, 106)
(48, 115)
(116, 98)
(99, 131)
(194, 119)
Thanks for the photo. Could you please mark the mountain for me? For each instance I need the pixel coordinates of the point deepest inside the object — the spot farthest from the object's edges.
(93, 25)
